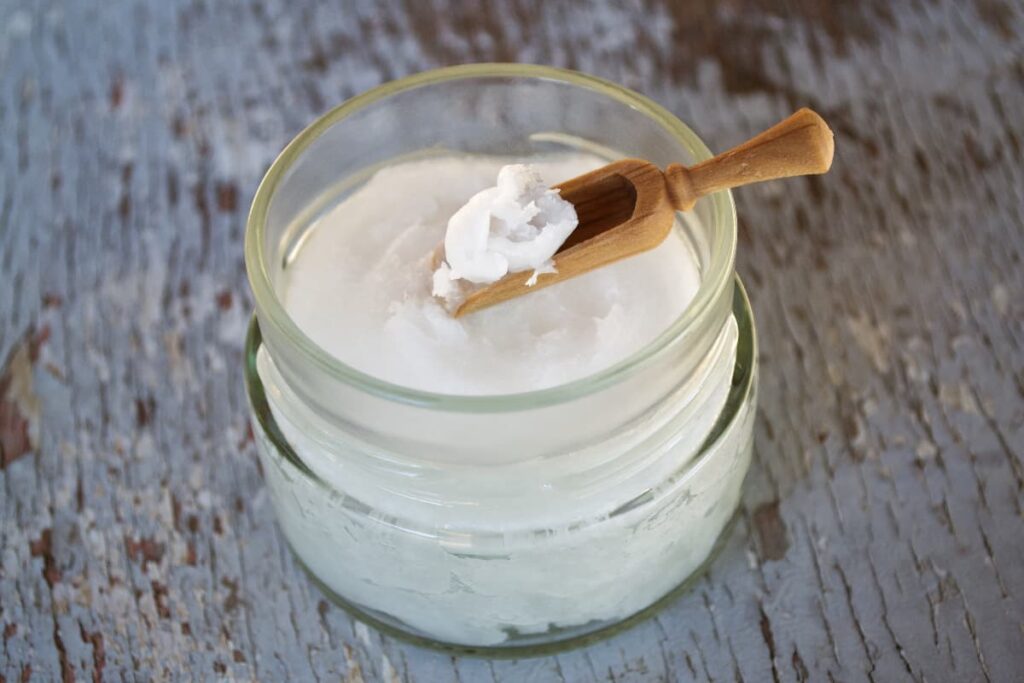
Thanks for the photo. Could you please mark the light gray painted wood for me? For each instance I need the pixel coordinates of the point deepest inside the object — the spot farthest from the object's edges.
(881, 534)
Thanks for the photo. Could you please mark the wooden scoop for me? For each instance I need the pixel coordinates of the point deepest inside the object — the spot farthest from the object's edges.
(629, 206)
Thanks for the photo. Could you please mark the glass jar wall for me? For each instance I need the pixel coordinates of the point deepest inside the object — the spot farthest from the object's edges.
(596, 497)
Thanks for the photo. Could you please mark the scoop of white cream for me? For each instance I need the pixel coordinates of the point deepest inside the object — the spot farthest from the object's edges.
(517, 225)
(360, 288)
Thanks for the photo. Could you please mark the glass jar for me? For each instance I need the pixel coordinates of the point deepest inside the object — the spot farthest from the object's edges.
(597, 497)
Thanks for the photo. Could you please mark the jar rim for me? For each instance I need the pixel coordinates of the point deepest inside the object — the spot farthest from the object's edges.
(717, 277)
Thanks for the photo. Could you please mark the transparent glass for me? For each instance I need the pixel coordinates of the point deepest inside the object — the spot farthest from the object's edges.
(599, 495)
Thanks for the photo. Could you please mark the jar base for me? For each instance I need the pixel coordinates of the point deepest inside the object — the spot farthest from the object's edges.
(549, 642)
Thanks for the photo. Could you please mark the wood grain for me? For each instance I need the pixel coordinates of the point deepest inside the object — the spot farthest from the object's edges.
(881, 529)
(800, 144)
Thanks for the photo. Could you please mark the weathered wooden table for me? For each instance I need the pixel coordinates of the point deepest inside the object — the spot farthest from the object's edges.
(881, 535)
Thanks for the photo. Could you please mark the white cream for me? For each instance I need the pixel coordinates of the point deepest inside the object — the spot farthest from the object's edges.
(479, 528)
(361, 285)
(517, 225)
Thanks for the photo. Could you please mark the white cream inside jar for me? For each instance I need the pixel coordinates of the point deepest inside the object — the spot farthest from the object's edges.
(540, 470)
(360, 286)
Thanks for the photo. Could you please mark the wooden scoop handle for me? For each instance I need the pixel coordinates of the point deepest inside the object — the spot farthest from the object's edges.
(799, 145)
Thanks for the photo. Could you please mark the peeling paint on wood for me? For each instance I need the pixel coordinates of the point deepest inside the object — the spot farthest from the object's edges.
(770, 531)
(19, 405)
(880, 534)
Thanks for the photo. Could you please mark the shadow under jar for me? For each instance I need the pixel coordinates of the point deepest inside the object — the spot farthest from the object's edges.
(597, 497)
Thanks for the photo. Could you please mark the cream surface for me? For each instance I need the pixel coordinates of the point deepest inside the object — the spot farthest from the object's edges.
(361, 288)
